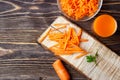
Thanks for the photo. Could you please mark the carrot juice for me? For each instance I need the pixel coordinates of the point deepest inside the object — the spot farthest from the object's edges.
(104, 25)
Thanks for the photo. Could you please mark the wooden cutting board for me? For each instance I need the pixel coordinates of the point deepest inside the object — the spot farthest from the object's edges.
(108, 63)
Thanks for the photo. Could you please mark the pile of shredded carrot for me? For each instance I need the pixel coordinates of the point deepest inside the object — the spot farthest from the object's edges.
(68, 42)
(77, 9)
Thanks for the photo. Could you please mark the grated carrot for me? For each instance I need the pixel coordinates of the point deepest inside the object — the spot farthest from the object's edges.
(67, 42)
(79, 8)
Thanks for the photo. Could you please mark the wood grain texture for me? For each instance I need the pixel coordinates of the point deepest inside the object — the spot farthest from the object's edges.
(21, 23)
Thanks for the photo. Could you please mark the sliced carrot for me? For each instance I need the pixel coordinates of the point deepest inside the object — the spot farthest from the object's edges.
(80, 55)
(79, 33)
(74, 35)
(61, 70)
(60, 24)
(83, 40)
(68, 37)
(56, 36)
(55, 45)
(68, 42)
(59, 27)
(68, 51)
(74, 49)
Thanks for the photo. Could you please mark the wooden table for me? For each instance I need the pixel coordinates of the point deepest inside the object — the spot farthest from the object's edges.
(22, 22)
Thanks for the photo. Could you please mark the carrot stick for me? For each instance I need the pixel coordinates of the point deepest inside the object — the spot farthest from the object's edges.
(67, 42)
(60, 27)
(68, 37)
(83, 40)
(80, 55)
(80, 33)
(60, 70)
(60, 24)
(55, 45)
(75, 36)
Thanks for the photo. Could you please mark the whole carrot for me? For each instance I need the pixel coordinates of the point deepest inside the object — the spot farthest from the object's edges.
(60, 70)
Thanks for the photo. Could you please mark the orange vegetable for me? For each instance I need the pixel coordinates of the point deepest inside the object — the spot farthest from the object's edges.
(79, 33)
(105, 25)
(80, 55)
(77, 9)
(60, 26)
(60, 70)
(67, 38)
(67, 42)
(83, 40)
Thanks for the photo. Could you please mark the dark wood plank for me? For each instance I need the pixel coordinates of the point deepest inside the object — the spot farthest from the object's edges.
(22, 22)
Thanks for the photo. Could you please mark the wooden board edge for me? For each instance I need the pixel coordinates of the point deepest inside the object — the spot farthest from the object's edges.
(44, 35)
